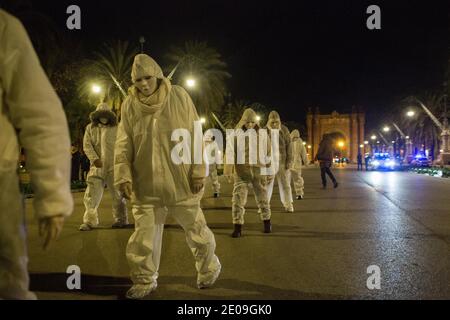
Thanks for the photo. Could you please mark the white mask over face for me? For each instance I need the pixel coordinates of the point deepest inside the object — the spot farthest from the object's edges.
(103, 120)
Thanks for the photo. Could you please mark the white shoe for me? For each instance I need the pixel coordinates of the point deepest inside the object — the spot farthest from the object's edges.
(290, 208)
(139, 291)
(209, 282)
(85, 227)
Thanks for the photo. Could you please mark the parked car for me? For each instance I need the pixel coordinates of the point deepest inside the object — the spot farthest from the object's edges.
(383, 161)
(421, 160)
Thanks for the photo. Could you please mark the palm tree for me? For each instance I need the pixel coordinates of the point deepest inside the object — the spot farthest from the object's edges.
(203, 63)
(422, 129)
(232, 113)
(113, 61)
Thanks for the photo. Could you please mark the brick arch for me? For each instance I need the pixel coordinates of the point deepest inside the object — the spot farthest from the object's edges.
(349, 126)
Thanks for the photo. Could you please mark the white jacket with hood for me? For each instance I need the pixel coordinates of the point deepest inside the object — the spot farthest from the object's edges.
(284, 140)
(99, 141)
(143, 146)
(31, 112)
(298, 151)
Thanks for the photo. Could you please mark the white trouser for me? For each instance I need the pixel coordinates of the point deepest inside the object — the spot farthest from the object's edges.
(144, 246)
(284, 185)
(93, 197)
(214, 177)
(297, 178)
(240, 192)
(14, 279)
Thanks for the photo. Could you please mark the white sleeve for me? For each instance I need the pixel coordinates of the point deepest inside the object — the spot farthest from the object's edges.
(37, 114)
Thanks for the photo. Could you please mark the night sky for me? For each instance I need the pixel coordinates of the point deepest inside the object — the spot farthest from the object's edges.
(290, 55)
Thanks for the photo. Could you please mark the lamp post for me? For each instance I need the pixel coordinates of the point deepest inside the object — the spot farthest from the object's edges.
(142, 41)
(444, 126)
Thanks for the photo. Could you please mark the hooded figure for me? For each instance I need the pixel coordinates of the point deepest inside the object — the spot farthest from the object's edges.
(285, 162)
(145, 172)
(248, 174)
(214, 158)
(325, 156)
(31, 116)
(98, 144)
(299, 159)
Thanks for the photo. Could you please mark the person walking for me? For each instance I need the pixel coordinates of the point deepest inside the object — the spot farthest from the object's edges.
(325, 156)
(158, 185)
(300, 159)
(98, 144)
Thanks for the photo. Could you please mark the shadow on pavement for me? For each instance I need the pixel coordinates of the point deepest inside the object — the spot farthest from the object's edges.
(179, 288)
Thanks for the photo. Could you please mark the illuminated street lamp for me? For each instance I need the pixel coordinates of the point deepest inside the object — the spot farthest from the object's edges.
(410, 113)
(96, 89)
(190, 82)
(361, 146)
(373, 137)
(386, 129)
(304, 143)
(366, 142)
(341, 144)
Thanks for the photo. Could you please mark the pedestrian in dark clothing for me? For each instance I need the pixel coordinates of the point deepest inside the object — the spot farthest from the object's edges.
(325, 156)
(76, 162)
(366, 162)
(360, 165)
(85, 166)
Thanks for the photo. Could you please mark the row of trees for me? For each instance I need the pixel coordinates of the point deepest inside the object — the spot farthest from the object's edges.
(422, 130)
(73, 70)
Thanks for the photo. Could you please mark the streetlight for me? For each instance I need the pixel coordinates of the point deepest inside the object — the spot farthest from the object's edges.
(366, 142)
(410, 113)
(374, 137)
(361, 146)
(341, 144)
(190, 82)
(304, 143)
(386, 129)
(96, 89)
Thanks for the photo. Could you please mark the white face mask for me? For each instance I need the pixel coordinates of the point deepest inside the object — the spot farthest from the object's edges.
(103, 120)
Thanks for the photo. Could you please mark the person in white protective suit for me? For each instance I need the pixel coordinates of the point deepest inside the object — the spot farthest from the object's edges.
(245, 175)
(98, 144)
(214, 158)
(146, 173)
(31, 116)
(300, 158)
(285, 163)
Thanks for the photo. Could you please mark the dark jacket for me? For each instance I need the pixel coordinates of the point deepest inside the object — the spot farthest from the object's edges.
(326, 150)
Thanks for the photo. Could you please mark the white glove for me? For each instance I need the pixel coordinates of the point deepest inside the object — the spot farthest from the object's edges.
(50, 228)
(125, 190)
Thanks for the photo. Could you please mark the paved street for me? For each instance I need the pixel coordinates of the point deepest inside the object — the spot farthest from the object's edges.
(397, 221)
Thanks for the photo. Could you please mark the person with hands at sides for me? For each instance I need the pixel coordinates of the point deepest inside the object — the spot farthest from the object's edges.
(31, 117)
(148, 173)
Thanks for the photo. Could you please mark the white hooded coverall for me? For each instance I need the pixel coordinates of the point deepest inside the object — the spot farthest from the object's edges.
(285, 163)
(143, 157)
(299, 157)
(214, 158)
(98, 143)
(30, 112)
(246, 175)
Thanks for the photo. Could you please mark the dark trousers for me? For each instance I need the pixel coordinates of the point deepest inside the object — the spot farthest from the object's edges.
(325, 169)
(360, 167)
